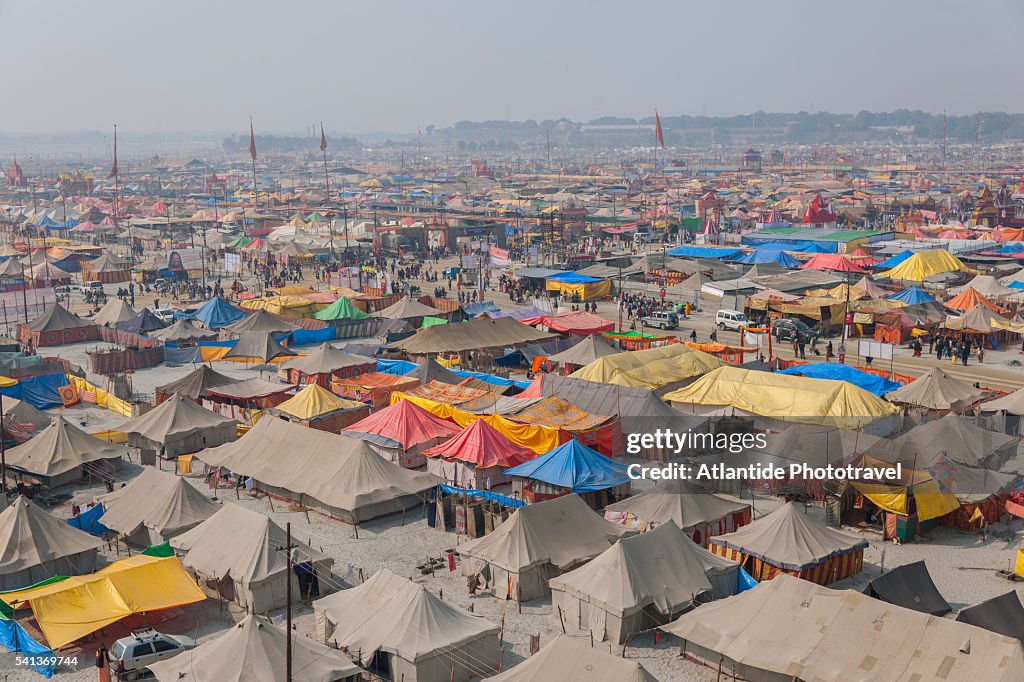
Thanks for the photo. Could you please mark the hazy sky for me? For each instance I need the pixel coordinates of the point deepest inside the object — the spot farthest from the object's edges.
(385, 65)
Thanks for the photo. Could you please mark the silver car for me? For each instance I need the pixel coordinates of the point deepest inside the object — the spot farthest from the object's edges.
(130, 655)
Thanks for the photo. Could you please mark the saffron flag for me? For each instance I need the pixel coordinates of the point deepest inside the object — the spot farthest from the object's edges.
(252, 141)
(113, 168)
(659, 134)
(323, 139)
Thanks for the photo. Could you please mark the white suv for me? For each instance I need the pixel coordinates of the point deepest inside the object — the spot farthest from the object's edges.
(130, 655)
(730, 319)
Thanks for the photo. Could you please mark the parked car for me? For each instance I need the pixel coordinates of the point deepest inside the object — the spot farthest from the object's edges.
(130, 655)
(789, 329)
(731, 319)
(161, 285)
(92, 287)
(661, 319)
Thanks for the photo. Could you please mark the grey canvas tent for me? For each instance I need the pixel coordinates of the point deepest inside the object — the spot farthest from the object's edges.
(179, 426)
(155, 507)
(399, 629)
(641, 582)
(538, 542)
(406, 308)
(911, 587)
(36, 545)
(326, 359)
(697, 512)
(1003, 614)
(952, 436)
(337, 475)
(936, 390)
(571, 658)
(257, 346)
(61, 452)
(260, 321)
(236, 553)
(114, 311)
(583, 353)
(480, 334)
(787, 628)
(182, 331)
(194, 384)
(255, 650)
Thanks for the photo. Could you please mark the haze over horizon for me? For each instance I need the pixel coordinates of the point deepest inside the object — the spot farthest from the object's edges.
(190, 66)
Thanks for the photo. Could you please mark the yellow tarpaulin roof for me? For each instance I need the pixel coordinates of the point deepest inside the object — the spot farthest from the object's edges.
(313, 401)
(925, 264)
(540, 439)
(780, 396)
(81, 605)
(650, 369)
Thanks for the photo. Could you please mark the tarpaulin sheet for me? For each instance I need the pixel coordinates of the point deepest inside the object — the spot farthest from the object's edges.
(489, 378)
(81, 605)
(89, 521)
(584, 291)
(395, 367)
(540, 439)
(925, 264)
(840, 372)
(214, 314)
(574, 466)
(38, 391)
(182, 356)
(503, 500)
(14, 638)
(95, 394)
(304, 337)
(703, 251)
(117, 361)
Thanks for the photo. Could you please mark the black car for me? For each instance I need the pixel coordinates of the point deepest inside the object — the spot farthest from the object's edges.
(787, 330)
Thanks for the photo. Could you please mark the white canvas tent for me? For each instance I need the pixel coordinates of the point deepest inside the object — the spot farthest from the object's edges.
(61, 452)
(179, 426)
(237, 553)
(640, 582)
(396, 627)
(155, 507)
(538, 542)
(337, 475)
(254, 650)
(787, 628)
(37, 545)
(697, 512)
(570, 658)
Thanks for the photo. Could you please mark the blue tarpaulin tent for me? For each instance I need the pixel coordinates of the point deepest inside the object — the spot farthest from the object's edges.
(395, 367)
(691, 251)
(839, 372)
(912, 296)
(14, 638)
(40, 391)
(1015, 247)
(574, 466)
(766, 254)
(893, 261)
(573, 278)
(214, 314)
(89, 521)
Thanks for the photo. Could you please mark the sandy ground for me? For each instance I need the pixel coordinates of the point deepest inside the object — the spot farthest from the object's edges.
(964, 566)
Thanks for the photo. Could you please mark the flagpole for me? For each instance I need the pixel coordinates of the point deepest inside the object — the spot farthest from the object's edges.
(252, 155)
(327, 184)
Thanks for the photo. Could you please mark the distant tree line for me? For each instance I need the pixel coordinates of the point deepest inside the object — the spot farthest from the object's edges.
(286, 143)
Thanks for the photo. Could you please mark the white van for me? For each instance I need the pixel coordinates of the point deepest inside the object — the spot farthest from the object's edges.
(730, 319)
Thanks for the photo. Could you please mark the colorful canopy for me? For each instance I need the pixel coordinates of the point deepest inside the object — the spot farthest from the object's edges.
(925, 264)
(314, 401)
(342, 309)
(912, 296)
(574, 466)
(483, 446)
(406, 423)
(833, 261)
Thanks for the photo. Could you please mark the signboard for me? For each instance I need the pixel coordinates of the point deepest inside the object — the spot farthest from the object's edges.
(500, 257)
(181, 260)
(233, 263)
(876, 350)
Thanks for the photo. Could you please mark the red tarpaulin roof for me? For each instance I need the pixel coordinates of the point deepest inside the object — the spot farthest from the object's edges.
(484, 446)
(968, 298)
(832, 261)
(577, 322)
(407, 423)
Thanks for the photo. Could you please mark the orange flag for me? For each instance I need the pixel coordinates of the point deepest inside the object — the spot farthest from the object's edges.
(252, 141)
(659, 134)
(323, 139)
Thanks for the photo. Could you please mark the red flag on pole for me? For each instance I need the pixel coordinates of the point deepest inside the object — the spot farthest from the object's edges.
(113, 168)
(252, 141)
(659, 134)
(323, 139)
